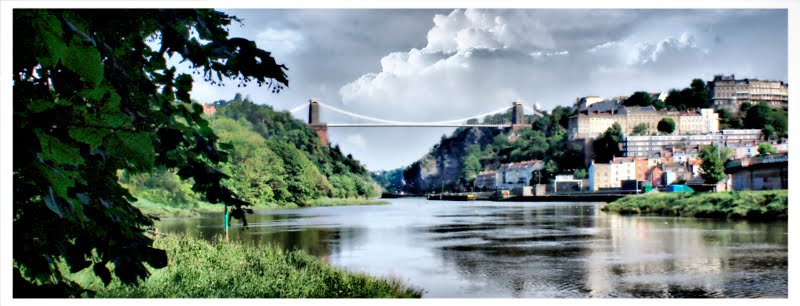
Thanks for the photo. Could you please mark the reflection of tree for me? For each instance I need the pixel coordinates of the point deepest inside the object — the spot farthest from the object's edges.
(282, 230)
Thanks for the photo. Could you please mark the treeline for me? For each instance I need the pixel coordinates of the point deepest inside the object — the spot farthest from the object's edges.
(697, 95)
(274, 159)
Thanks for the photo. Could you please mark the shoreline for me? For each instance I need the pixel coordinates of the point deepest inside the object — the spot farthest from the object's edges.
(161, 210)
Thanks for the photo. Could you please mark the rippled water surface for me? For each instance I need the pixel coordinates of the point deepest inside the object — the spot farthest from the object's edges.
(488, 249)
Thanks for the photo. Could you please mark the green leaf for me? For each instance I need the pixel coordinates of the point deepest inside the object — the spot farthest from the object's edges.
(91, 136)
(52, 45)
(38, 105)
(136, 148)
(59, 152)
(84, 61)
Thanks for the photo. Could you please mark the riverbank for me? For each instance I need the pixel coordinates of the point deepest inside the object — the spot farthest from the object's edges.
(750, 205)
(162, 210)
(344, 202)
(219, 269)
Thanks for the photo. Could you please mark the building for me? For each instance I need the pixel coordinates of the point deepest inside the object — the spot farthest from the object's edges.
(599, 176)
(584, 103)
(751, 151)
(487, 180)
(641, 165)
(676, 172)
(701, 122)
(760, 173)
(654, 175)
(729, 93)
(589, 125)
(664, 146)
(567, 183)
(608, 176)
(519, 174)
(209, 109)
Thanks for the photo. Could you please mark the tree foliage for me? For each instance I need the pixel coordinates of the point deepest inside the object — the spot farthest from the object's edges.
(666, 125)
(607, 145)
(766, 149)
(91, 98)
(713, 159)
(639, 98)
(640, 129)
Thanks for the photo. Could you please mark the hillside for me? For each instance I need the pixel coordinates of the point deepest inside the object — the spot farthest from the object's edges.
(273, 159)
(454, 162)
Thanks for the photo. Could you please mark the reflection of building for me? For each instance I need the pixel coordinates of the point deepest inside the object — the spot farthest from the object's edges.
(729, 93)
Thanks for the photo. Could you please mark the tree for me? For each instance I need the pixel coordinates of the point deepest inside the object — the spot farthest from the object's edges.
(757, 116)
(639, 98)
(658, 104)
(640, 129)
(766, 149)
(580, 174)
(607, 145)
(666, 125)
(91, 98)
(712, 168)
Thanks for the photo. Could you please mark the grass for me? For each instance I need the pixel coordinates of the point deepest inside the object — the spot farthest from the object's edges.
(749, 205)
(219, 269)
(176, 211)
(194, 210)
(340, 202)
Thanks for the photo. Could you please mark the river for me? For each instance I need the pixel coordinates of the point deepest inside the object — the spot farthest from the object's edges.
(548, 250)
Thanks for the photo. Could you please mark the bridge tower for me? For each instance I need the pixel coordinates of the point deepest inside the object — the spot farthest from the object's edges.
(313, 121)
(517, 116)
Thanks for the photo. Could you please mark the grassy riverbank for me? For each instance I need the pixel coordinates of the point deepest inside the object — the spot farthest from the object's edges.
(162, 210)
(750, 205)
(199, 269)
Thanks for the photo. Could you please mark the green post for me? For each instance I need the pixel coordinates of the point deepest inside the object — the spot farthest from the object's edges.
(226, 222)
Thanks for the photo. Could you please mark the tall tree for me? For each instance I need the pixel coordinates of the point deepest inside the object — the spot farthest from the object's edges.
(91, 97)
(712, 169)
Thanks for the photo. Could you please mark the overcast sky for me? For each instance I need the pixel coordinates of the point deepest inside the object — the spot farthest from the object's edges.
(435, 65)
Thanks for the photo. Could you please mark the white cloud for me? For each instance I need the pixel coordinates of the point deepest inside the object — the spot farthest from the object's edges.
(282, 42)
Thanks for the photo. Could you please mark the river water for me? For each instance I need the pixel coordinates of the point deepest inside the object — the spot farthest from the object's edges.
(550, 250)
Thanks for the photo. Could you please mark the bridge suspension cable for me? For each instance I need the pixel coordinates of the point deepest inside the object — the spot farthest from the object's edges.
(409, 122)
(299, 107)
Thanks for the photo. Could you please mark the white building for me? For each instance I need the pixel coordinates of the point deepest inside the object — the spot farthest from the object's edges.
(518, 174)
(608, 176)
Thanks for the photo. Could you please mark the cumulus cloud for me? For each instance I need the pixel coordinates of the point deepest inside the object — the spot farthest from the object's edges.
(476, 61)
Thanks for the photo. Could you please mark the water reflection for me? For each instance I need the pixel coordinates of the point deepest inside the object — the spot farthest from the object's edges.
(485, 249)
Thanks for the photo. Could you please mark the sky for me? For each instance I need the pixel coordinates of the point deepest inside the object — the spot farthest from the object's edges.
(437, 65)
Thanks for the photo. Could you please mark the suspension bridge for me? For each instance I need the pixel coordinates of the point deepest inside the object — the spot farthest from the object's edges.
(517, 119)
